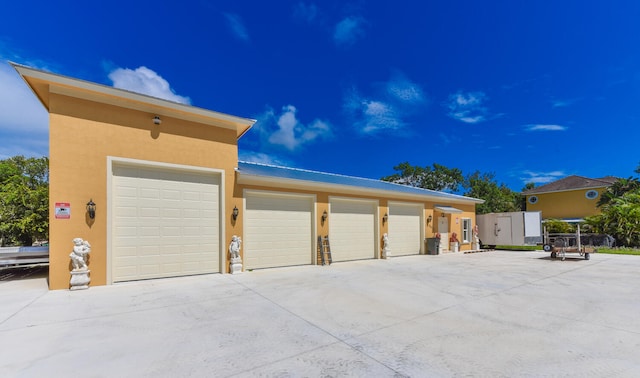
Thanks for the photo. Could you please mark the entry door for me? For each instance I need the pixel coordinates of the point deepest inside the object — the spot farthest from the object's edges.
(443, 230)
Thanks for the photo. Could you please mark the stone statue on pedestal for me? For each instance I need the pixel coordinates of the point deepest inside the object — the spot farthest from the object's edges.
(235, 262)
(475, 245)
(385, 246)
(80, 273)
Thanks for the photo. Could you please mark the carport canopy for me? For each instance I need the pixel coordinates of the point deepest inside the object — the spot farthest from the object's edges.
(448, 209)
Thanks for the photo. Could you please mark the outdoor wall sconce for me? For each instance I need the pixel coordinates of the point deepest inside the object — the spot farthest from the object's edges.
(385, 217)
(235, 212)
(157, 120)
(429, 219)
(324, 216)
(91, 209)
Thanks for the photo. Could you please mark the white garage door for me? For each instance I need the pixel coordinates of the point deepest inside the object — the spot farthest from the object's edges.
(352, 232)
(165, 223)
(405, 225)
(278, 230)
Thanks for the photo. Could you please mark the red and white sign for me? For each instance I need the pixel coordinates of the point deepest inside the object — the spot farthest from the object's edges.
(63, 210)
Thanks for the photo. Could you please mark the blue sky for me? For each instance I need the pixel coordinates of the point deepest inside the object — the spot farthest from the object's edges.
(530, 90)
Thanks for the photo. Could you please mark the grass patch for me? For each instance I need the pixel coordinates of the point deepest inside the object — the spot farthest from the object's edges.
(619, 251)
(519, 247)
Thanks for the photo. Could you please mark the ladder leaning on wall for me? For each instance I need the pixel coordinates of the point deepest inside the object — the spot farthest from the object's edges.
(324, 249)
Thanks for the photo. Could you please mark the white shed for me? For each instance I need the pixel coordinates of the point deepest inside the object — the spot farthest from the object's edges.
(516, 228)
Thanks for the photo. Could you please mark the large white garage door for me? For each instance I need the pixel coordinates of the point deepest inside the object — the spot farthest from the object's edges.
(352, 226)
(278, 230)
(165, 223)
(405, 225)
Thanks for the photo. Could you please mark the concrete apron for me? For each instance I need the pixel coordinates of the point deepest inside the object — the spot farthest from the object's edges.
(483, 314)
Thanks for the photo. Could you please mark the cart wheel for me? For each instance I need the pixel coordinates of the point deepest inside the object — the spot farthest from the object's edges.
(587, 256)
(553, 255)
(547, 248)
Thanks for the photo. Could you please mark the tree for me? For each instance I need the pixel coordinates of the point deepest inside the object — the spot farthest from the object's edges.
(522, 201)
(24, 200)
(437, 177)
(498, 197)
(407, 175)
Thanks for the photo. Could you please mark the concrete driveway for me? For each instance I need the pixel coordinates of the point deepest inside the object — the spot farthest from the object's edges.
(484, 314)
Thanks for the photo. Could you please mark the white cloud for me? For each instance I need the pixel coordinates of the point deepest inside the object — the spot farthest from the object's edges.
(237, 26)
(145, 81)
(286, 130)
(563, 103)
(541, 177)
(404, 90)
(262, 158)
(372, 116)
(468, 107)
(24, 122)
(305, 12)
(539, 127)
(387, 108)
(348, 31)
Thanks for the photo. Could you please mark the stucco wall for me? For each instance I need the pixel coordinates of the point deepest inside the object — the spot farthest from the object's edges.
(568, 204)
(83, 134)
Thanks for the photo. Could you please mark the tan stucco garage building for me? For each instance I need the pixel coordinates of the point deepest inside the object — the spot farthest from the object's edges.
(166, 180)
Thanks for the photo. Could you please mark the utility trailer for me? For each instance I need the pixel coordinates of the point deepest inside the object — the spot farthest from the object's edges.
(518, 228)
(582, 244)
(13, 256)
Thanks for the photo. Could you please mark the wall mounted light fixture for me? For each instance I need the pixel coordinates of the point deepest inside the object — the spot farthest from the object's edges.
(385, 218)
(429, 219)
(91, 209)
(324, 216)
(157, 120)
(235, 213)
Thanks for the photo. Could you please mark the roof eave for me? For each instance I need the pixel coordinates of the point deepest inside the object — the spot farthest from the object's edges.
(68, 86)
(564, 190)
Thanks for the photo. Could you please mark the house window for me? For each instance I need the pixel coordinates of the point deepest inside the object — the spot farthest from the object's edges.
(591, 194)
(533, 199)
(466, 230)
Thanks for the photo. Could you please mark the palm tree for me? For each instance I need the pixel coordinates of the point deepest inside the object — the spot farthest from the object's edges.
(617, 189)
(620, 218)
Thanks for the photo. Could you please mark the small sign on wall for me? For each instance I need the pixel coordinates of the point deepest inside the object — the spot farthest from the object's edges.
(63, 210)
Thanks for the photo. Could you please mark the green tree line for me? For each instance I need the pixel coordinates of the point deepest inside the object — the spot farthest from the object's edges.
(24, 200)
(498, 197)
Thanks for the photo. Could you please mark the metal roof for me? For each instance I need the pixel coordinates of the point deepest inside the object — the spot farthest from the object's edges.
(448, 209)
(573, 182)
(256, 173)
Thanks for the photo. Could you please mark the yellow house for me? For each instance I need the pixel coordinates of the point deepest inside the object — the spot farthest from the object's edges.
(571, 198)
(170, 193)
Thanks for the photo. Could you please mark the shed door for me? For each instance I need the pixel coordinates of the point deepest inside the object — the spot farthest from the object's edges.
(405, 228)
(352, 232)
(278, 230)
(165, 223)
(503, 231)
